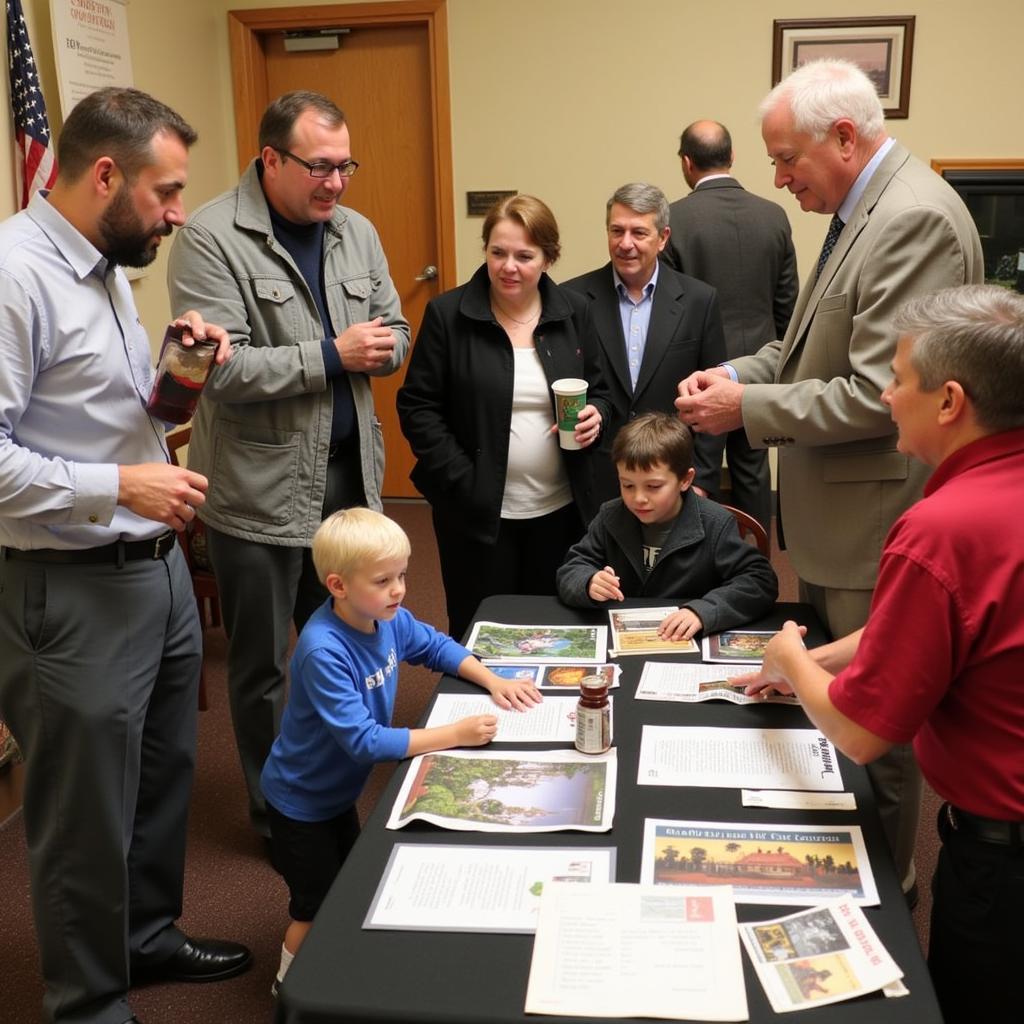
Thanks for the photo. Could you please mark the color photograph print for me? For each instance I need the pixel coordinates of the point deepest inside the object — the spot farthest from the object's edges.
(509, 793)
(543, 644)
(823, 977)
(737, 646)
(785, 865)
(562, 677)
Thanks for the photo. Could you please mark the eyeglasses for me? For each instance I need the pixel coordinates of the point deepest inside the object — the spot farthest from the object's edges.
(321, 168)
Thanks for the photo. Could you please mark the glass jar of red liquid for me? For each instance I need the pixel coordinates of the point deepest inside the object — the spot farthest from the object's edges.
(181, 373)
(593, 716)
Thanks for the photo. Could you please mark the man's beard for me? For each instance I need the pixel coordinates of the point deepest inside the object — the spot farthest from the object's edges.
(126, 242)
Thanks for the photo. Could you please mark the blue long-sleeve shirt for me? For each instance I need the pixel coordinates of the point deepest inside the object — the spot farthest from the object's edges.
(337, 723)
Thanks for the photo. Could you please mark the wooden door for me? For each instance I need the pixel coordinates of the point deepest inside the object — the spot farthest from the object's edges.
(389, 76)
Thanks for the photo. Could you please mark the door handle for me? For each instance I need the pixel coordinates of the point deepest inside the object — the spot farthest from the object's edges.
(429, 273)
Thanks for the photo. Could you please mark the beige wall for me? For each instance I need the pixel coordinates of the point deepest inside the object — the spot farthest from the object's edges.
(570, 98)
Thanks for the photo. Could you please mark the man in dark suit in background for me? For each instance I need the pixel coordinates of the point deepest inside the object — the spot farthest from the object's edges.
(654, 326)
(742, 246)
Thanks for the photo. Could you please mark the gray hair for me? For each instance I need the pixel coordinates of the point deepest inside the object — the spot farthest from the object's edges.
(973, 335)
(641, 198)
(822, 92)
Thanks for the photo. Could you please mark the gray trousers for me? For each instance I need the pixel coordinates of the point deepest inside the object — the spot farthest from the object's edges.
(895, 776)
(99, 673)
(263, 589)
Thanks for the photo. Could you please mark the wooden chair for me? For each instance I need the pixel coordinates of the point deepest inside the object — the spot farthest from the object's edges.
(193, 543)
(751, 530)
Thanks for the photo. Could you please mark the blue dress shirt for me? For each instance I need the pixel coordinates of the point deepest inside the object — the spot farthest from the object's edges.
(75, 373)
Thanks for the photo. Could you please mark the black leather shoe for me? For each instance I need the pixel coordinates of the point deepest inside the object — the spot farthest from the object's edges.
(200, 960)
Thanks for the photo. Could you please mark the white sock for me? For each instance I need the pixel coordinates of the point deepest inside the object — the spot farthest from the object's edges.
(286, 962)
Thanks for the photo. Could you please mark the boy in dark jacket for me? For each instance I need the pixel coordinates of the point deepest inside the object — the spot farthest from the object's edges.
(662, 540)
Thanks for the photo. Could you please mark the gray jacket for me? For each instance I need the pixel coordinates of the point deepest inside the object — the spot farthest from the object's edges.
(262, 431)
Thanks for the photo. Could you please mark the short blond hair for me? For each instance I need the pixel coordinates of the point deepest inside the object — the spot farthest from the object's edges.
(352, 536)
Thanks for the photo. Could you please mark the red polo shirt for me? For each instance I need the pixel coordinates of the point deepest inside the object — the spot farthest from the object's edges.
(941, 659)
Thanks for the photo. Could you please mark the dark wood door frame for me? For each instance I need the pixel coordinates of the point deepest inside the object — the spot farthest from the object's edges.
(248, 78)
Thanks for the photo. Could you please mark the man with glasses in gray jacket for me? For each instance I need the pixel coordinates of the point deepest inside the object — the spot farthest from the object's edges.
(286, 432)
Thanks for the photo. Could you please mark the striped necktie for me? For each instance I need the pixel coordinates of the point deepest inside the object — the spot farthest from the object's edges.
(835, 228)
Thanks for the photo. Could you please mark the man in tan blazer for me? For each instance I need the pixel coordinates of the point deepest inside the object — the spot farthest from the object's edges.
(897, 231)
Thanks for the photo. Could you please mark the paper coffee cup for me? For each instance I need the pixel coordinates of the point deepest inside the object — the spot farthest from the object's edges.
(570, 397)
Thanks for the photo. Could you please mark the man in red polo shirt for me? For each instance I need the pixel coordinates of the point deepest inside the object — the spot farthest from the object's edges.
(941, 659)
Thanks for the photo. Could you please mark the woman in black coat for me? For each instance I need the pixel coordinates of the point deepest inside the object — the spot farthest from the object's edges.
(478, 412)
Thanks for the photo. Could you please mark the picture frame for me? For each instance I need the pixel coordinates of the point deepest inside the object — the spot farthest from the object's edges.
(882, 46)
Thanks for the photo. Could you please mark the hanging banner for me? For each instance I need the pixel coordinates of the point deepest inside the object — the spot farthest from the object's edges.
(90, 46)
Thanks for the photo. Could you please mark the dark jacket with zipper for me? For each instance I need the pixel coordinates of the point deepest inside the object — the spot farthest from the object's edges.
(703, 564)
(455, 407)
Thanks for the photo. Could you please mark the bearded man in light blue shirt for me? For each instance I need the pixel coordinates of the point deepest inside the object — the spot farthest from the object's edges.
(99, 638)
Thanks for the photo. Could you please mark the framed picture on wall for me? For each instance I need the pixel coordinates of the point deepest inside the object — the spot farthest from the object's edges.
(882, 47)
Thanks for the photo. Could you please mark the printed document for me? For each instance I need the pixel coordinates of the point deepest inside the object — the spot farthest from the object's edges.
(440, 888)
(737, 758)
(637, 951)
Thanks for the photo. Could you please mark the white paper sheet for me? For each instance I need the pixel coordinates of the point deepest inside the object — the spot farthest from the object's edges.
(689, 683)
(554, 719)
(637, 951)
(737, 758)
(438, 887)
(793, 800)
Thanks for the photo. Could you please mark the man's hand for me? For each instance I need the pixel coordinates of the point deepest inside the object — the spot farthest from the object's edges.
(774, 676)
(710, 402)
(365, 347)
(200, 330)
(475, 731)
(682, 624)
(161, 492)
(699, 380)
(605, 585)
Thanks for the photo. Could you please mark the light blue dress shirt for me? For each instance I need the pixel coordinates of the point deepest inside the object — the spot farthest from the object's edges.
(636, 319)
(75, 373)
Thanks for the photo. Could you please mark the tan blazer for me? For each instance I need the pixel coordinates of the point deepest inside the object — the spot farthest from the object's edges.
(816, 394)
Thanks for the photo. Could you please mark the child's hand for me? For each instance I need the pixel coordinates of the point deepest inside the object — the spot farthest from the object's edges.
(680, 625)
(475, 731)
(604, 585)
(510, 694)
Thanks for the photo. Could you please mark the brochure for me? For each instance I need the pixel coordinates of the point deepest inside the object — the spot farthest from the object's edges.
(690, 683)
(635, 631)
(553, 720)
(819, 956)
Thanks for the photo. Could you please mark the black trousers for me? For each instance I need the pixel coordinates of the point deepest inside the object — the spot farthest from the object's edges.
(523, 560)
(976, 947)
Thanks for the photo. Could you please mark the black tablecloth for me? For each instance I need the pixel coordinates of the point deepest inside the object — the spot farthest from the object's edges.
(344, 973)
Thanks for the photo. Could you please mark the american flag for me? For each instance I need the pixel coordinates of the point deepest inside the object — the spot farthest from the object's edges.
(37, 164)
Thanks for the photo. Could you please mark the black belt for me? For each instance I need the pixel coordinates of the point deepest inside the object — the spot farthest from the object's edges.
(986, 830)
(118, 553)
